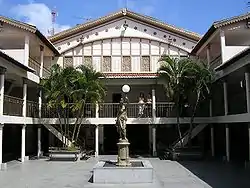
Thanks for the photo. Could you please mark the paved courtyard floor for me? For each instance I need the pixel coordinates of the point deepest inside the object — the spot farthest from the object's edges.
(47, 174)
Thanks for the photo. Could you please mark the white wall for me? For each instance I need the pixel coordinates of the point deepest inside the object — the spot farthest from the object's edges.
(231, 51)
(17, 54)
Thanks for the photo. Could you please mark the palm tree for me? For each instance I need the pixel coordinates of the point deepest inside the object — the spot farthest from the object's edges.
(68, 89)
(199, 89)
(175, 73)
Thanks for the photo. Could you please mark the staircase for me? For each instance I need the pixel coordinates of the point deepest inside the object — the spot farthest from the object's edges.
(55, 132)
(183, 142)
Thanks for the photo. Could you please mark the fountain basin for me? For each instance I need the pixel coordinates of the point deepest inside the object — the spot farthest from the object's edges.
(106, 172)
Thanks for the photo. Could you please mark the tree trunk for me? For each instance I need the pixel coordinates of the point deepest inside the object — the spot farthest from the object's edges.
(178, 123)
(192, 120)
(81, 111)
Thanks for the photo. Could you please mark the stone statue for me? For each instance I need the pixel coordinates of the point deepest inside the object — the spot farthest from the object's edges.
(122, 119)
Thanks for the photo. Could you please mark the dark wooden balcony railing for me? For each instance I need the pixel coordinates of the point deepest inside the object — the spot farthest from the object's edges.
(13, 106)
(164, 109)
(32, 109)
(36, 66)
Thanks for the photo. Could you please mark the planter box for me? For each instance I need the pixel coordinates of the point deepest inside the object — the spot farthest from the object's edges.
(64, 155)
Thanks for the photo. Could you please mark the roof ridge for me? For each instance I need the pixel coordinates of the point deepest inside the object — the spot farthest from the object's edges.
(124, 12)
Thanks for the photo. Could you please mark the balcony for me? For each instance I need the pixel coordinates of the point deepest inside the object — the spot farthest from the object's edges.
(13, 107)
(216, 62)
(36, 66)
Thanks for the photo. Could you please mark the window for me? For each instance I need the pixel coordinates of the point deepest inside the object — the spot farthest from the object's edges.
(88, 61)
(126, 64)
(145, 64)
(68, 61)
(106, 64)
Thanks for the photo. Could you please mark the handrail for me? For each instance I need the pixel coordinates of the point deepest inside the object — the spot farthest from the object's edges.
(11, 97)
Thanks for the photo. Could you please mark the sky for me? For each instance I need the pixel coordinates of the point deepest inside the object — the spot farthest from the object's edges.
(193, 15)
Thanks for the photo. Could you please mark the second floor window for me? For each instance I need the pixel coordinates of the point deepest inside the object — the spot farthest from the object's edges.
(68, 61)
(126, 64)
(88, 60)
(145, 64)
(106, 64)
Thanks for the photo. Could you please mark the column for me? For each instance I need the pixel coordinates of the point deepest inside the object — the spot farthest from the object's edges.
(1, 145)
(154, 140)
(227, 127)
(153, 105)
(23, 143)
(40, 103)
(223, 45)
(225, 98)
(2, 74)
(101, 138)
(150, 137)
(96, 141)
(97, 110)
(39, 142)
(26, 50)
(247, 78)
(41, 61)
(208, 55)
(227, 144)
(212, 128)
(154, 126)
(24, 97)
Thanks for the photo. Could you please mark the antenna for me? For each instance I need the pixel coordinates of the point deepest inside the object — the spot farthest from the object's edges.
(126, 4)
(53, 19)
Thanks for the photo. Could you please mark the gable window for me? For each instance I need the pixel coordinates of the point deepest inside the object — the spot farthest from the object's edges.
(126, 64)
(68, 61)
(145, 64)
(106, 64)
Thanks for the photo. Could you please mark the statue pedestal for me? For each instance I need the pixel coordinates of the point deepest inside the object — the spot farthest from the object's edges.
(123, 153)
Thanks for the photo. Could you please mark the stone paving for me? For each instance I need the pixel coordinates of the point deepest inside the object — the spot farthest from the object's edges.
(46, 174)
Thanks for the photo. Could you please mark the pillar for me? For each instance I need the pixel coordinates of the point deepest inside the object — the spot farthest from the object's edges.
(96, 140)
(227, 127)
(39, 142)
(153, 105)
(154, 119)
(26, 50)
(227, 144)
(97, 110)
(225, 98)
(2, 74)
(101, 138)
(223, 45)
(208, 55)
(24, 97)
(247, 79)
(1, 146)
(154, 140)
(212, 128)
(150, 137)
(40, 103)
(23, 143)
(41, 61)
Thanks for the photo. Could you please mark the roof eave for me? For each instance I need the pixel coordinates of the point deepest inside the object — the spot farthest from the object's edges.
(47, 42)
(208, 34)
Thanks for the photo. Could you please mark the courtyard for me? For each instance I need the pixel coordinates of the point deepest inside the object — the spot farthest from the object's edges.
(42, 174)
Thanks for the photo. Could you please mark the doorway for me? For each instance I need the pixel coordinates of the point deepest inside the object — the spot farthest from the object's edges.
(111, 138)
